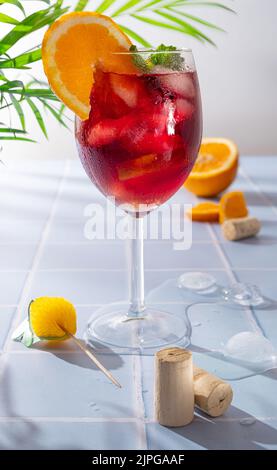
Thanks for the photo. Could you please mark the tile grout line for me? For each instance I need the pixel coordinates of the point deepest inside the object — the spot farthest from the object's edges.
(36, 259)
(69, 419)
(232, 277)
(274, 210)
(261, 193)
(107, 419)
(107, 241)
(147, 270)
(137, 369)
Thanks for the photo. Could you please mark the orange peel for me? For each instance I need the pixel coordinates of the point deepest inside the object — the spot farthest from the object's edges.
(232, 205)
(204, 212)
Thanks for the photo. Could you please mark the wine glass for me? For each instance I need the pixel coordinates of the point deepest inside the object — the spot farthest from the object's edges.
(138, 146)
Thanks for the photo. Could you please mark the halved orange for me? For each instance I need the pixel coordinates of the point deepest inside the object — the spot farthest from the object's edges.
(215, 167)
(73, 46)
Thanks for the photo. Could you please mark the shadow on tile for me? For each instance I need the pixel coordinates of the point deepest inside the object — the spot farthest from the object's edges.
(260, 238)
(220, 434)
(29, 428)
(63, 351)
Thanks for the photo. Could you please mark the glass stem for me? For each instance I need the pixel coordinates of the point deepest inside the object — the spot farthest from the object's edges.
(137, 305)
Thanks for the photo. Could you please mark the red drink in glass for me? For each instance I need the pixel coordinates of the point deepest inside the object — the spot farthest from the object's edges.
(138, 146)
(142, 136)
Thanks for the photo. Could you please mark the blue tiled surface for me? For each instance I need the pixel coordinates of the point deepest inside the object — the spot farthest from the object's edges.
(80, 286)
(66, 384)
(67, 436)
(84, 256)
(214, 435)
(6, 316)
(17, 257)
(12, 283)
(51, 396)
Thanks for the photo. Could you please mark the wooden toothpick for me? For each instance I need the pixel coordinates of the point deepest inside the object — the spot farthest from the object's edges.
(93, 359)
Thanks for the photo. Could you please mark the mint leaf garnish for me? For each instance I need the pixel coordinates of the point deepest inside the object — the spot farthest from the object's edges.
(163, 56)
(138, 60)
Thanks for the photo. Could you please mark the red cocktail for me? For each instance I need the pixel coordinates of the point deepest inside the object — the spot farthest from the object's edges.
(142, 136)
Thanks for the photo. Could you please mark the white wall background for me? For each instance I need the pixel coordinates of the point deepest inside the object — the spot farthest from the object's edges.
(238, 81)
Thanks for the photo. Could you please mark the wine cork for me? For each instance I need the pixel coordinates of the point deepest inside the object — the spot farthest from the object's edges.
(174, 395)
(236, 229)
(212, 395)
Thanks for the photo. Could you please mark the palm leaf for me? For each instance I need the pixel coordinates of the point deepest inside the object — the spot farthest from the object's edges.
(104, 5)
(54, 112)
(11, 85)
(197, 19)
(12, 130)
(135, 36)
(7, 19)
(209, 4)
(21, 60)
(37, 115)
(30, 24)
(81, 5)
(127, 6)
(187, 28)
(150, 4)
(36, 93)
(19, 110)
(157, 23)
(16, 138)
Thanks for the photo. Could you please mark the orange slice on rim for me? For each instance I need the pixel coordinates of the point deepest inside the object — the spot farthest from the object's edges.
(73, 46)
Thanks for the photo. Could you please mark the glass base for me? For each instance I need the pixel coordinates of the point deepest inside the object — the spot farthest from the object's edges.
(155, 329)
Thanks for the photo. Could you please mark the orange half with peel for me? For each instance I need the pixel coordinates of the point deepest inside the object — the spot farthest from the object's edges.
(73, 46)
(215, 167)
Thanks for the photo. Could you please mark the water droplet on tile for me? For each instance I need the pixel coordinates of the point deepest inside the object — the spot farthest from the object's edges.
(92, 404)
(196, 324)
(196, 281)
(247, 421)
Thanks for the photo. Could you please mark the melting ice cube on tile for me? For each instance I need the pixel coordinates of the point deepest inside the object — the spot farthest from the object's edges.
(252, 347)
(244, 294)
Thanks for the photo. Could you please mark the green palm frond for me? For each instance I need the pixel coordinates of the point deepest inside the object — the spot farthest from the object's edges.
(30, 24)
(23, 93)
(19, 93)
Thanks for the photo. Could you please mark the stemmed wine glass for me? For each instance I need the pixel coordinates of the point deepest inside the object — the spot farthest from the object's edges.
(138, 146)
